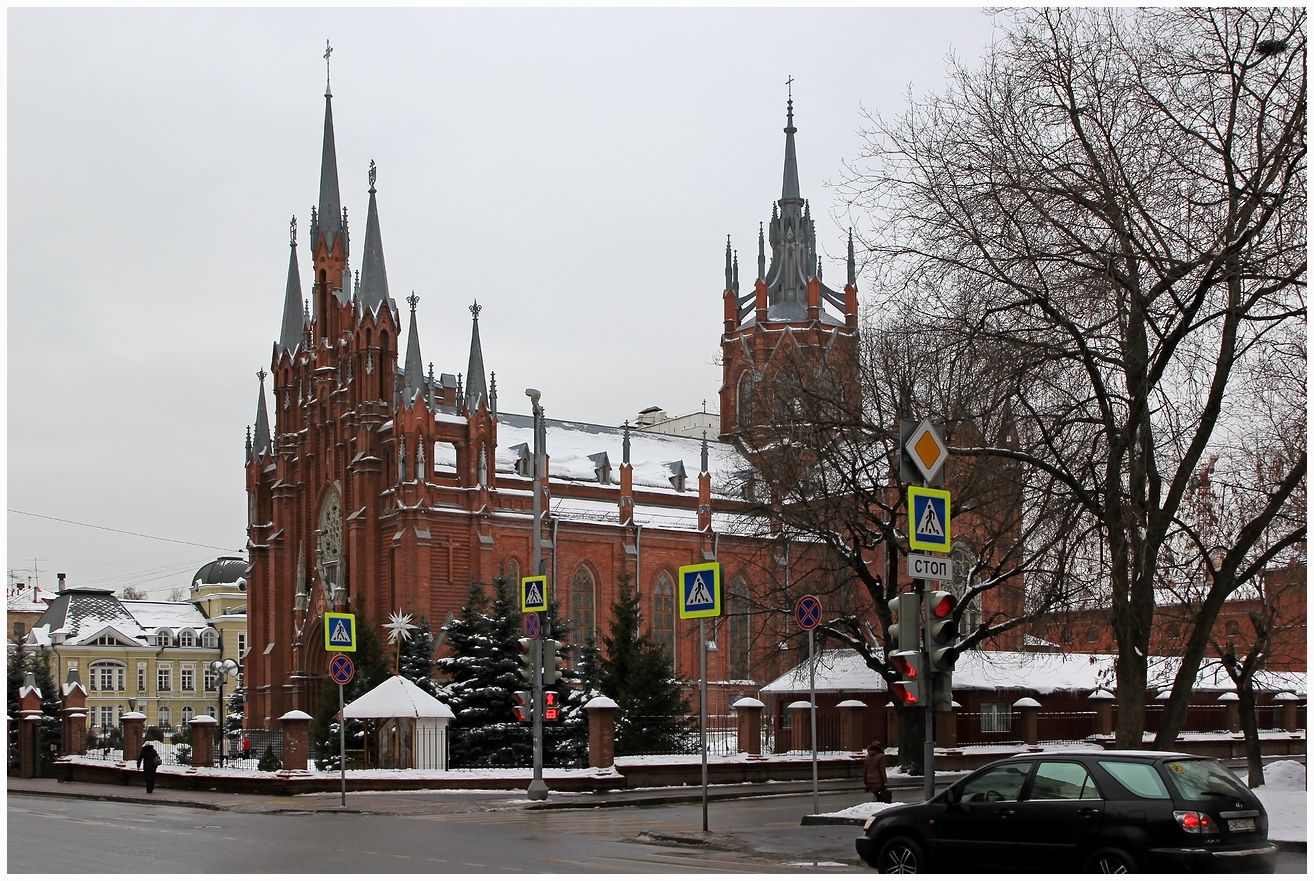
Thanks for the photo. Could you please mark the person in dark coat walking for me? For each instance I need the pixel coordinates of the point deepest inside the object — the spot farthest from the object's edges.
(873, 772)
(148, 761)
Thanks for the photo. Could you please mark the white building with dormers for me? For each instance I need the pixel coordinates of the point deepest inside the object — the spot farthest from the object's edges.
(150, 656)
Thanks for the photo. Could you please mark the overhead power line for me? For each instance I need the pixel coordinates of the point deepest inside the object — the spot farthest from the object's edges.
(120, 531)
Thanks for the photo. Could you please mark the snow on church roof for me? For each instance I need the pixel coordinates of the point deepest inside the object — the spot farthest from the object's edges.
(1043, 672)
(397, 698)
(571, 444)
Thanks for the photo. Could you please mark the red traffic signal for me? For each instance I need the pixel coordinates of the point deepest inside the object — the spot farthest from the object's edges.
(551, 711)
(524, 708)
(942, 631)
(911, 687)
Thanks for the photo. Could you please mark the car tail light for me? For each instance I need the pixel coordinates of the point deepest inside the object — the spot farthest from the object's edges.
(1196, 822)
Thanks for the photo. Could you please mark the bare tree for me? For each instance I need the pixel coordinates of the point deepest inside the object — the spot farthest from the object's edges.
(825, 487)
(133, 592)
(1116, 200)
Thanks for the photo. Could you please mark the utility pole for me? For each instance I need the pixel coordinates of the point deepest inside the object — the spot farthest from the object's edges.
(537, 788)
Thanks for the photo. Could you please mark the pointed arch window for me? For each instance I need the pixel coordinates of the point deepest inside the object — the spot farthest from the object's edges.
(511, 568)
(737, 623)
(581, 606)
(744, 399)
(663, 613)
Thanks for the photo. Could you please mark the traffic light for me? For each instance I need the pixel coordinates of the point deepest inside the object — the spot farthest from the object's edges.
(905, 632)
(526, 660)
(551, 661)
(910, 690)
(942, 692)
(941, 631)
(524, 708)
(551, 709)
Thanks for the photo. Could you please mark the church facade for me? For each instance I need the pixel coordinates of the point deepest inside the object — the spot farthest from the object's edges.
(378, 486)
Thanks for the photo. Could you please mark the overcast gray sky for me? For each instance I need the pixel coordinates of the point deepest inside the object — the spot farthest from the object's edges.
(575, 171)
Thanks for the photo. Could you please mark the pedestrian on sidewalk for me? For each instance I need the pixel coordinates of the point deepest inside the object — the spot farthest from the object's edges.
(148, 761)
(873, 773)
(246, 747)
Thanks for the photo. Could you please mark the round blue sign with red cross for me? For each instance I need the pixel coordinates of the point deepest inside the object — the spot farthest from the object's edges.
(341, 669)
(808, 612)
(531, 625)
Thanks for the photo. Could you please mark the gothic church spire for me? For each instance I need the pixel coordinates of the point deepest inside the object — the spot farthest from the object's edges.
(293, 320)
(373, 274)
(475, 389)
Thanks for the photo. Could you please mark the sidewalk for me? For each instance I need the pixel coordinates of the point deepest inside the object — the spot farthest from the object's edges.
(412, 802)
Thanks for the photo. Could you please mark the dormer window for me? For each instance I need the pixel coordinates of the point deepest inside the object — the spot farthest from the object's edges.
(187, 639)
(210, 639)
(677, 475)
(523, 467)
(602, 468)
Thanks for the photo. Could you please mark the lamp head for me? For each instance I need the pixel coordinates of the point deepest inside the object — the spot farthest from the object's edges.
(534, 395)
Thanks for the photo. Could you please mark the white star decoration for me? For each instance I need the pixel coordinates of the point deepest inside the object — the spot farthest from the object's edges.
(399, 627)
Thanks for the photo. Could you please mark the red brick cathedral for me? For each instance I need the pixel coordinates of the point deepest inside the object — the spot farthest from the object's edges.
(380, 486)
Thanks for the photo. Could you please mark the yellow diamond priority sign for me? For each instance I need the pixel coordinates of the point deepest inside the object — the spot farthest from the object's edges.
(927, 450)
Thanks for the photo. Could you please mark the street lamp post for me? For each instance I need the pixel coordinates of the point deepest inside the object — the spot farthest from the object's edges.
(223, 669)
(537, 788)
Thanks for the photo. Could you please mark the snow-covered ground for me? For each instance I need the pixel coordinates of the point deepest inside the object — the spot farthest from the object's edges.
(1283, 794)
(1286, 800)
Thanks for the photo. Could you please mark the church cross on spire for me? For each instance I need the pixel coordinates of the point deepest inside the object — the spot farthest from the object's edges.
(328, 50)
(412, 300)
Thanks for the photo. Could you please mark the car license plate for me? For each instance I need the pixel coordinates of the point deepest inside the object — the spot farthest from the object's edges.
(1244, 825)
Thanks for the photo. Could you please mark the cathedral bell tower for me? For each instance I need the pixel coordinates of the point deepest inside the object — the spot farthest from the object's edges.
(780, 341)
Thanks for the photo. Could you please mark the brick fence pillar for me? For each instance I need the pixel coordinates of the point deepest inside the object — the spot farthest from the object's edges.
(602, 732)
(851, 713)
(946, 728)
(750, 724)
(891, 725)
(296, 739)
(134, 734)
(29, 714)
(74, 700)
(202, 731)
(1029, 709)
(1103, 702)
(1290, 706)
(800, 725)
(1232, 713)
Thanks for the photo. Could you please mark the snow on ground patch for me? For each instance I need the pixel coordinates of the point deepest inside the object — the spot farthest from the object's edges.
(1285, 800)
(861, 811)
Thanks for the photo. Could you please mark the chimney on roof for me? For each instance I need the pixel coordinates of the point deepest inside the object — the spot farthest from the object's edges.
(60, 576)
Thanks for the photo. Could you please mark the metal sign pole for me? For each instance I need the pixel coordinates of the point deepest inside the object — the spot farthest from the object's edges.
(702, 706)
(928, 755)
(537, 788)
(342, 743)
(812, 709)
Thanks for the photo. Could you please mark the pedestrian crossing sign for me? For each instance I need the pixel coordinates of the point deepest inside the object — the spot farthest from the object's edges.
(533, 593)
(700, 591)
(928, 519)
(339, 632)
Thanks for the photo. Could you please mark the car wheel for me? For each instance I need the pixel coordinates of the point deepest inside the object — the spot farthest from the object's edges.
(900, 856)
(1110, 861)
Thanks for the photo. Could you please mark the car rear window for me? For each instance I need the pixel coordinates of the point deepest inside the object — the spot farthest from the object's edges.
(1141, 779)
(1204, 778)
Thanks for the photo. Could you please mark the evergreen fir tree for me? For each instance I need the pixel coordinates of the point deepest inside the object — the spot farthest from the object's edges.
(482, 678)
(371, 669)
(417, 661)
(653, 714)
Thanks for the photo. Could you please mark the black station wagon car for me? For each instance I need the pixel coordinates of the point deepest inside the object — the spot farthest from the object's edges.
(1098, 811)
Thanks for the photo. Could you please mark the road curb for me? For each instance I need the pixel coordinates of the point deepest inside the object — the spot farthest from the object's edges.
(823, 820)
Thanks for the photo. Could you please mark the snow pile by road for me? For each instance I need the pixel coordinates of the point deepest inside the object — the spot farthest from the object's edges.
(1286, 800)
